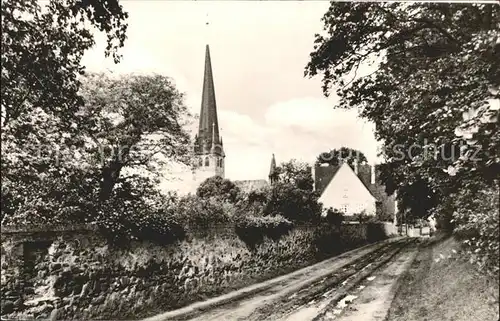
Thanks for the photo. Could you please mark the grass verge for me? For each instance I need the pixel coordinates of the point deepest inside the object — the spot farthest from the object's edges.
(440, 285)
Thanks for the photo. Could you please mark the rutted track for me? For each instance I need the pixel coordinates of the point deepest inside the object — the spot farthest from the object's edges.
(328, 291)
(288, 299)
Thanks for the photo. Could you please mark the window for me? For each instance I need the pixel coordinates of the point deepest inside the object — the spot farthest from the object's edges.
(200, 162)
(206, 161)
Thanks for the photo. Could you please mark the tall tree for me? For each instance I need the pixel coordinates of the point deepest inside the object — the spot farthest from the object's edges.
(296, 173)
(434, 98)
(128, 124)
(345, 154)
(42, 48)
(438, 62)
(130, 120)
(292, 196)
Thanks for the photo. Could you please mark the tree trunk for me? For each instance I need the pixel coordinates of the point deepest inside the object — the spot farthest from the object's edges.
(110, 175)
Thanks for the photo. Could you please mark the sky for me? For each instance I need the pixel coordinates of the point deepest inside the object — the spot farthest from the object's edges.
(259, 50)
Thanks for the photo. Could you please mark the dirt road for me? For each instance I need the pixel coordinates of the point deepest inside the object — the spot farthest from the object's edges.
(319, 292)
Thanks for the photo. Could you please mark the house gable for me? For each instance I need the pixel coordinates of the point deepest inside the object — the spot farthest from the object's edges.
(347, 193)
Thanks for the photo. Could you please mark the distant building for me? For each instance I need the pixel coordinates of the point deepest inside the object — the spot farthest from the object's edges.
(247, 186)
(251, 185)
(353, 191)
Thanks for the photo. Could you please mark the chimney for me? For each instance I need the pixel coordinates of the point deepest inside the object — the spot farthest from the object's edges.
(372, 180)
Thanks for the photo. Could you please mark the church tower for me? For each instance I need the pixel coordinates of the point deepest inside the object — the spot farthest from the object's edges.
(208, 149)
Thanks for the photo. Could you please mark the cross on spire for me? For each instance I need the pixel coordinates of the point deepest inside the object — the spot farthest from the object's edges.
(207, 29)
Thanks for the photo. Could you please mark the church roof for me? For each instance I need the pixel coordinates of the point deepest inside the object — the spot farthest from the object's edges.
(208, 130)
(251, 185)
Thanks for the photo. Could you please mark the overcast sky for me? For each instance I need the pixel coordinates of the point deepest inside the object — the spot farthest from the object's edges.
(259, 50)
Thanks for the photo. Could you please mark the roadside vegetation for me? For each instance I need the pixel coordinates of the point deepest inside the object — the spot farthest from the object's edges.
(441, 285)
(435, 102)
(88, 148)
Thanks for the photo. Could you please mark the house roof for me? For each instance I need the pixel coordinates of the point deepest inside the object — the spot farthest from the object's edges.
(346, 176)
(325, 173)
(323, 176)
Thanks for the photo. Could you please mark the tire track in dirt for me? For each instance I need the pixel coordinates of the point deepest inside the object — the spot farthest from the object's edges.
(373, 296)
(331, 311)
(309, 303)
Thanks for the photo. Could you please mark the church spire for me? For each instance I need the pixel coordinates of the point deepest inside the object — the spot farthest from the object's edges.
(272, 170)
(209, 126)
(209, 160)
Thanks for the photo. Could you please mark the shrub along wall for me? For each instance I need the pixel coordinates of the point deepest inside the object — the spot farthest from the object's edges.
(74, 274)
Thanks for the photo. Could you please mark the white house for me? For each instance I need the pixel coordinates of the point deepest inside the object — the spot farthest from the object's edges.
(347, 193)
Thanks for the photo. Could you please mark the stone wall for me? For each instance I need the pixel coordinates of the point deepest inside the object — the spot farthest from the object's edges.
(72, 273)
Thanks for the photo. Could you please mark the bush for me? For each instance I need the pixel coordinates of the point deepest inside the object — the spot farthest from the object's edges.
(253, 229)
(477, 225)
(293, 203)
(219, 187)
(254, 202)
(327, 240)
(196, 212)
(443, 214)
(122, 221)
(334, 217)
(375, 232)
(361, 218)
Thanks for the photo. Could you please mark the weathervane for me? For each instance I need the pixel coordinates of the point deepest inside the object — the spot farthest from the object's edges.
(207, 28)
